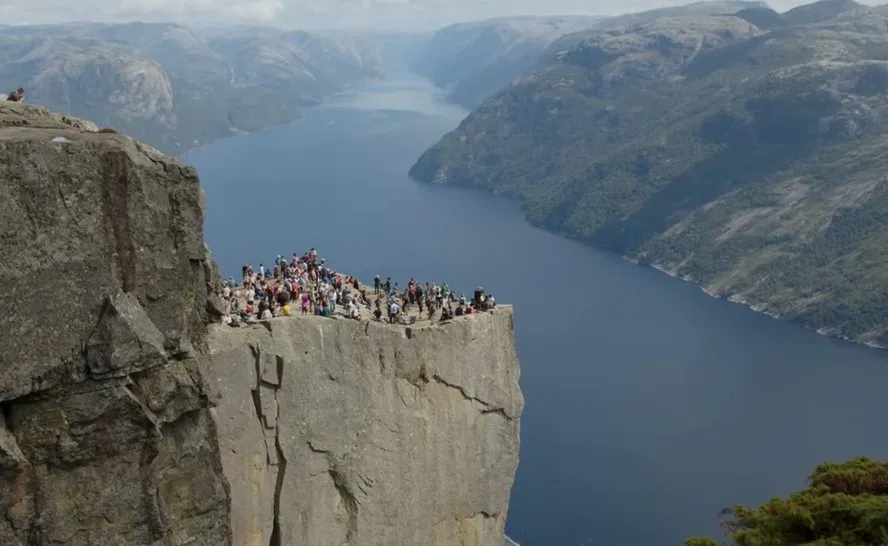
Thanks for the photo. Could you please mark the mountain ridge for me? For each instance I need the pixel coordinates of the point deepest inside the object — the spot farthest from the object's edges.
(178, 88)
(745, 159)
(473, 60)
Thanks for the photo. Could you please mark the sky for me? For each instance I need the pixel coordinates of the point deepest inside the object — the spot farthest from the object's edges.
(312, 14)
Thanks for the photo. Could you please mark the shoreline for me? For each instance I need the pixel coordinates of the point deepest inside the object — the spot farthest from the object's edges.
(754, 307)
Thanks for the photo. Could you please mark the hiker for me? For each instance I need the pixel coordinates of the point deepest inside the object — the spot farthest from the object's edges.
(478, 297)
(377, 282)
(17, 96)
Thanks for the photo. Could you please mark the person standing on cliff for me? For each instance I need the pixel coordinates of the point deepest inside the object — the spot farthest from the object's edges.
(394, 311)
(377, 282)
(333, 296)
(304, 301)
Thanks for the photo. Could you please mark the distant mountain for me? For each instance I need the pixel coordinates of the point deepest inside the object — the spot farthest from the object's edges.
(474, 60)
(687, 11)
(745, 152)
(176, 87)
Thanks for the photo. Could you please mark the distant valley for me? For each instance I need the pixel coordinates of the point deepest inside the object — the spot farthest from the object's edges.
(176, 87)
(737, 147)
(474, 60)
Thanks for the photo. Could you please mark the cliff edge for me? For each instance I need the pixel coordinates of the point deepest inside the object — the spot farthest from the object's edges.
(357, 432)
(127, 416)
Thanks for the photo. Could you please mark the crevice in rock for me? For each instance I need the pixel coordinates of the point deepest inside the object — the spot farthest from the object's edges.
(312, 447)
(498, 411)
(64, 199)
(488, 408)
(12, 459)
(381, 357)
(5, 412)
(276, 539)
(149, 415)
(349, 502)
(423, 374)
(279, 360)
(116, 205)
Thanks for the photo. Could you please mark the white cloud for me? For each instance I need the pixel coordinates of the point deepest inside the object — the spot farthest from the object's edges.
(318, 13)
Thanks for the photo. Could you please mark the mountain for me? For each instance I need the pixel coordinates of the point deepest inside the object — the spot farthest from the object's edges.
(474, 60)
(177, 87)
(749, 159)
(686, 11)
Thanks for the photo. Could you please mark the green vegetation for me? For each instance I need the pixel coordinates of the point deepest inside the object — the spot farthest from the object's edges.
(844, 505)
(750, 159)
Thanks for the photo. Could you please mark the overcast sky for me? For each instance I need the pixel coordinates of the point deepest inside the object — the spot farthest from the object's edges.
(389, 14)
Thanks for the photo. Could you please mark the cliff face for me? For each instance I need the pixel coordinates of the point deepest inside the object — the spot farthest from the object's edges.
(337, 431)
(127, 417)
(105, 437)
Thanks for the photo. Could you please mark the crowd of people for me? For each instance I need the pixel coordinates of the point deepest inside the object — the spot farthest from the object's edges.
(306, 285)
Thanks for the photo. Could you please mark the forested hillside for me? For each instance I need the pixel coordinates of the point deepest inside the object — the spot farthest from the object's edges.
(746, 152)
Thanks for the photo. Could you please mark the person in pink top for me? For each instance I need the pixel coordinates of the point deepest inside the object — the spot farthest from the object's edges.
(305, 303)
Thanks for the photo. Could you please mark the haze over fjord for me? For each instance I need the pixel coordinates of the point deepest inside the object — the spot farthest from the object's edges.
(419, 15)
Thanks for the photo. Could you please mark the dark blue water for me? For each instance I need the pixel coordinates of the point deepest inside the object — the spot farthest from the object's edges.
(650, 406)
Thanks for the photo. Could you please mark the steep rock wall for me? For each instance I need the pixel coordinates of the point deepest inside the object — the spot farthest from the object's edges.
(342, 432)
(105, 435)
(128, 418)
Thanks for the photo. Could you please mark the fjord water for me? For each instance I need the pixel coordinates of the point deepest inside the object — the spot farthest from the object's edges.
(649, 406)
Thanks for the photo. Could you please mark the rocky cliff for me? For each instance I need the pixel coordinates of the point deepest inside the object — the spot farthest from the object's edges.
(105, 433)
(343, 432)
(128, 417)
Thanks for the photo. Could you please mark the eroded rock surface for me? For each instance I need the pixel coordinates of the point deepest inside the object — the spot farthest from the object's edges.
(105, 433)
(128, 418)
(343, 432)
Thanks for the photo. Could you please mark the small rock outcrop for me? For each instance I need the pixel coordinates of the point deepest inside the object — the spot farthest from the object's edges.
(345, 432)
(128, 415)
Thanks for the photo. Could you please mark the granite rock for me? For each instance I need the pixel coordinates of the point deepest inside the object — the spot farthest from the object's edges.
(344, 432)
(105, 433)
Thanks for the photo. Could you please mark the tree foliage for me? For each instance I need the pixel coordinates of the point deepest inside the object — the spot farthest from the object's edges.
(844, 504)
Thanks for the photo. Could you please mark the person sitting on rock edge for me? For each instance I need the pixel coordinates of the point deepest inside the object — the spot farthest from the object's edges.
(17, 96)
